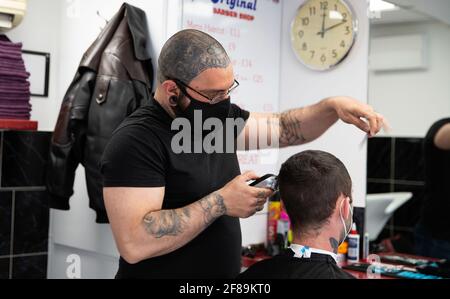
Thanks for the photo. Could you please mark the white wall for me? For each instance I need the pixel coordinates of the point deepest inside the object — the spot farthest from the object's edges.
(39, 31)
(413, 100)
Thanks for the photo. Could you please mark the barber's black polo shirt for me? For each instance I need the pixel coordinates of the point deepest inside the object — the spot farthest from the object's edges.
(287, 266)
(140, 155)
(436, 205)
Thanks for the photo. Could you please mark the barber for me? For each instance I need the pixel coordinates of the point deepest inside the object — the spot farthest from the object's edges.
(175, 214)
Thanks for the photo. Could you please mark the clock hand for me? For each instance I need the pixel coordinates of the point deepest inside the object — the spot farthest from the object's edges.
(331, 27)
(322, 32)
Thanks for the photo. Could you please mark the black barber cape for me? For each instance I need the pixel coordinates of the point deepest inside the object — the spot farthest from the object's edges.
(140, 155)
(286, 266)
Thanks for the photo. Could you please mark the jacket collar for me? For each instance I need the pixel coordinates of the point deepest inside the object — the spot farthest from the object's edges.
(137, 23)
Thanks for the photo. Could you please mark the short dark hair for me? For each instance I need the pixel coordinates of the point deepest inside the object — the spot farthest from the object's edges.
(310, 183)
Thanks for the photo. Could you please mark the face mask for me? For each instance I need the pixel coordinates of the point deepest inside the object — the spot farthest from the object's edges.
(220, 110)
(346, 230)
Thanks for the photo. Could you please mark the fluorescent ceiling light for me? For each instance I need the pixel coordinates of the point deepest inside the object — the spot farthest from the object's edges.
(380, 5)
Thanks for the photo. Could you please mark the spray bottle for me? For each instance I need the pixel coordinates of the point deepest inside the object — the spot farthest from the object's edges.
(353, 245)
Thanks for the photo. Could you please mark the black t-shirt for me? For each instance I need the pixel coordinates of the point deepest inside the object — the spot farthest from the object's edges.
(140, 155)
(436, 209)
(287, 266)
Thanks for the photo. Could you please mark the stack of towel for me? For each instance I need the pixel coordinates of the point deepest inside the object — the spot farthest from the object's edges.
(14, 85)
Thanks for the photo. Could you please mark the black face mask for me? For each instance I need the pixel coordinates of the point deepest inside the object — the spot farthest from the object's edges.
(220, 110)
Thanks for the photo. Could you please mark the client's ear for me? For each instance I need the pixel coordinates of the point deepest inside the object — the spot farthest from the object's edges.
(346, 207)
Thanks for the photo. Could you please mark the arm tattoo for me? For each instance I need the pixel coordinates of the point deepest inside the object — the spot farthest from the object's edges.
(174, 222)
(334, 244)
(213, 207)
(166, 222)
(290, 129)
(262, 195)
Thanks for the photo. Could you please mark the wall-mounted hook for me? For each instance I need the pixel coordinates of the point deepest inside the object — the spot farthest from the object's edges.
(103, 18)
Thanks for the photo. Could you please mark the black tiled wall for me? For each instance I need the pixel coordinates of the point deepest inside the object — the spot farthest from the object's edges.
(397, 165)
(24, 208)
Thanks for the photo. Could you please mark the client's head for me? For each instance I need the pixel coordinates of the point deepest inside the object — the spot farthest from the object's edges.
(316, 188)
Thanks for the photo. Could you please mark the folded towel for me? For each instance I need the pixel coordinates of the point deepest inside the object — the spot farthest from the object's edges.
(10, 56)
(11, 80)
(10, 44)
(10, 103)
(18, 74)
(14, 86)
(14, 94)
(14, 89)
(15, 116)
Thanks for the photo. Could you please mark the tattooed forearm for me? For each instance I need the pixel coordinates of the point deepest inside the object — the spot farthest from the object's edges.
(213, 206)
(175, 222)
(290, 129)
(166, 222)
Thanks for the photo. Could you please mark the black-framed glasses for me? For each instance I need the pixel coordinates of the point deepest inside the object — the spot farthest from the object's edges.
(220, 96)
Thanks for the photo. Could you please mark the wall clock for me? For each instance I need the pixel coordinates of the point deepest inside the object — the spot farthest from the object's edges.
(323, 33)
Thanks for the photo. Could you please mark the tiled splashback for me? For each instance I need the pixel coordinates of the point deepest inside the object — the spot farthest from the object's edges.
(24, 209)
(397, 165)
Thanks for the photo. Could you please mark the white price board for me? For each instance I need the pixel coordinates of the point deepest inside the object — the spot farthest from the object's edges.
(250, 31)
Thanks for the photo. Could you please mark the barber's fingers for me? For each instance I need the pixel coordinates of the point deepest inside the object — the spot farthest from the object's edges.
(261, 193)
(384, 124)
(249, 175)
(372, 117)
(361, 124)
(259, 202)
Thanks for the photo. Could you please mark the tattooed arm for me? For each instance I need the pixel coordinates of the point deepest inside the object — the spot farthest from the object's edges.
(143, 230)
(302, 125)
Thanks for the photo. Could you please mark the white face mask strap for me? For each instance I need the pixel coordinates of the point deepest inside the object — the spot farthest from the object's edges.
(343, 222)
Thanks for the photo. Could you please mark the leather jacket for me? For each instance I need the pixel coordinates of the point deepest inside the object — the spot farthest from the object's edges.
(114, 78)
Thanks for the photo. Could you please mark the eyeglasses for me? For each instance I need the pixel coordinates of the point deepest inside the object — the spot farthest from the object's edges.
(220, 96)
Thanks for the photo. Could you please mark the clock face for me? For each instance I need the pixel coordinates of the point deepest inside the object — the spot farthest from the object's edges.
(323, 32)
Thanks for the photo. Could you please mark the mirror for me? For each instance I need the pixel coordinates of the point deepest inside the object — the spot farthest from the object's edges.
(409, 72)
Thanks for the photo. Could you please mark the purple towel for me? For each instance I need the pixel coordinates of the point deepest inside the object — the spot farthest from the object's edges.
(12, 63)
(14, 89)
(10, 44)
(15, 86)
(14, 104)
(19, 74)
(11, 80)
(17, 99)
(10, 56)
(17, 109)
(6, 50)
(11, 103)
(15, 115)
(23, 109)
(12, 93)
(12, 67)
